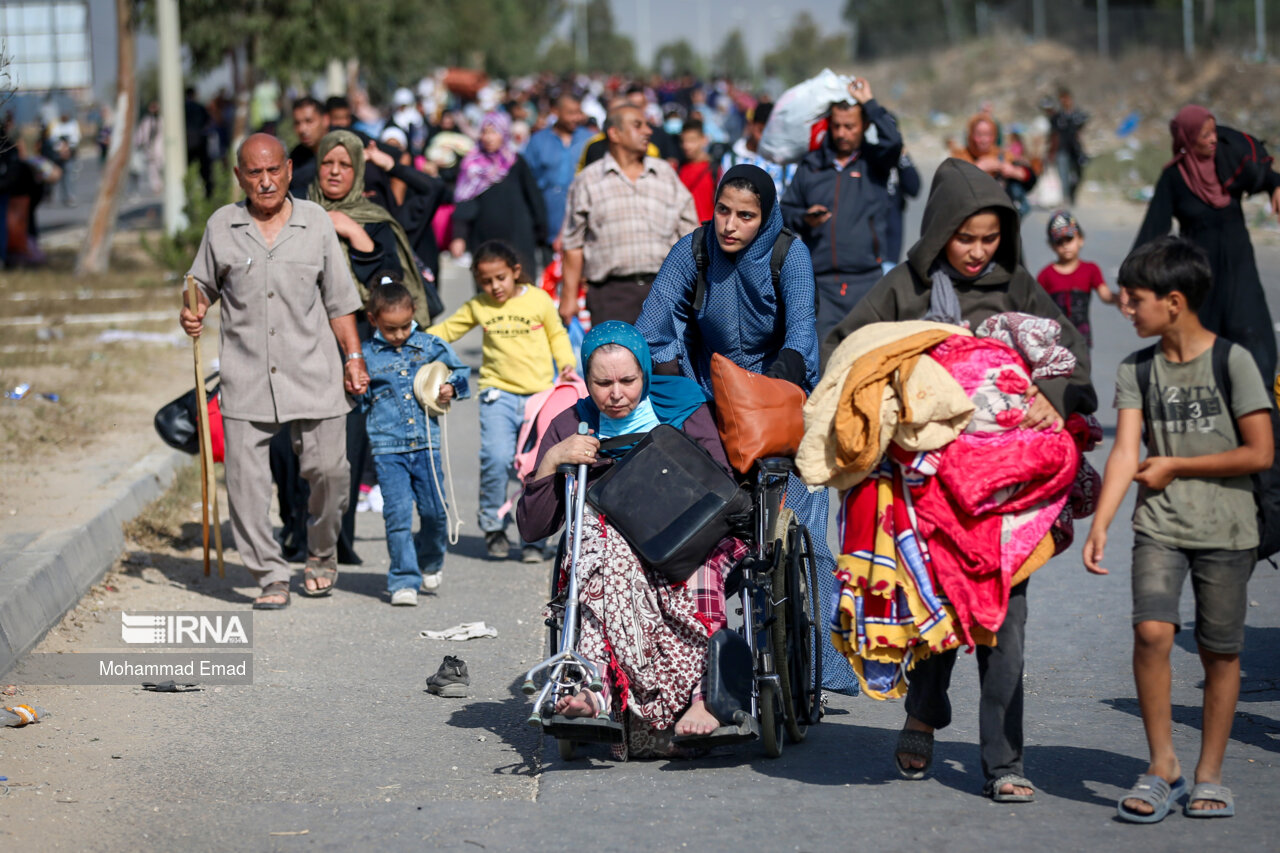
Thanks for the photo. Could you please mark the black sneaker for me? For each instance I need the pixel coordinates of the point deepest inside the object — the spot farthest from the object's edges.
(451, 679)
(497, 544)
(531, 554)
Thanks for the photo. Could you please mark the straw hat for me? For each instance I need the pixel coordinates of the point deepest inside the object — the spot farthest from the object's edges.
(426, 386)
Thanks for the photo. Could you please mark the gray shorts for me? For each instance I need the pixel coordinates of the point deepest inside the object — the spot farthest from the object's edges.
(1219, 580)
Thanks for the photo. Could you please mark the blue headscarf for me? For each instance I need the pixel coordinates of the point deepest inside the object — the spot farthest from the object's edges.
(665, 399)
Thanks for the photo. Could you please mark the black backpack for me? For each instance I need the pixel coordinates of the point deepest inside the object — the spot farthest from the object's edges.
(781, 245)
(1266, 484)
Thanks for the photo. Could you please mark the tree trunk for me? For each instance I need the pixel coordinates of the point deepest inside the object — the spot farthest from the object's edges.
(95, 256)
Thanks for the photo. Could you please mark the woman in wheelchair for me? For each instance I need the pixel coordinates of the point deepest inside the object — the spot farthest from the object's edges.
(742, 286)
(647, 636)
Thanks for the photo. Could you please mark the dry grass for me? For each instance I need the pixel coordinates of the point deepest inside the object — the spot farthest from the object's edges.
(171, 521)
(935, 93)
(99, 385)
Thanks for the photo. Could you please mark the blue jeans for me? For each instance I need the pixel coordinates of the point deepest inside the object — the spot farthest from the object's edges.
(406, 478)
(501, 414)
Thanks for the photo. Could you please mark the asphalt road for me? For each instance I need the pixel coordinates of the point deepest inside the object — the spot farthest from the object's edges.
(337, 737)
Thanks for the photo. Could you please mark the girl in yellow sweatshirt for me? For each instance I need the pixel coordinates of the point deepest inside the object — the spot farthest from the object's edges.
(523, 333)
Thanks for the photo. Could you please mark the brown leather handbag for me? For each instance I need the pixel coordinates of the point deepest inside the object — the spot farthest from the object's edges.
(757, 416)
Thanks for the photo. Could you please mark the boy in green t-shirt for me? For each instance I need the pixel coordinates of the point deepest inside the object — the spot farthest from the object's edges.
(1195, 513)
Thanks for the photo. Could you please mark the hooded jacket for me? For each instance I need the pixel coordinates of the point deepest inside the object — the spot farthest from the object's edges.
(960, 190)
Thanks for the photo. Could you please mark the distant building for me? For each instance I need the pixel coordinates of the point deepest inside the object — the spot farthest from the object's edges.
(48, 44)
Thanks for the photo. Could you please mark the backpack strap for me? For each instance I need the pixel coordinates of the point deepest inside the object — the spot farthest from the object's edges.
(1143, 367)
(1222, 377)
(702, 262)
(781, 246)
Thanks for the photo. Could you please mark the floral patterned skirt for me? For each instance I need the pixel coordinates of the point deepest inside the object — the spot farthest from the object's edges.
(647, 635)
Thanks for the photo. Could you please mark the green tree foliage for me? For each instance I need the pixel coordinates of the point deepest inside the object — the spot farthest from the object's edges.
(803, 51)
(176, 252)
(892, 27)
(731, 59)
(676, 59)
(607, 49)
(395, 40)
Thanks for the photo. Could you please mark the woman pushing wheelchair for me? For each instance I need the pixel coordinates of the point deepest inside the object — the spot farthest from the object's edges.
(646, 636)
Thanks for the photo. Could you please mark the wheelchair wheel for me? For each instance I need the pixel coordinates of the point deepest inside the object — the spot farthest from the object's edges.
(771, 720)
(568, 749)
(793, 629)
(803, 609)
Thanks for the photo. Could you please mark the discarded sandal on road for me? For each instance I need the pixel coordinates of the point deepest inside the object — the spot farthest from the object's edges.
(1156, 792)
(170, 687)
(451, 680)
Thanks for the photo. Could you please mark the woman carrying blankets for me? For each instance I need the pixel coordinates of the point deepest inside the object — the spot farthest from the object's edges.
(760, 326)
(647, 636)
(1212, 169)
(965, 269)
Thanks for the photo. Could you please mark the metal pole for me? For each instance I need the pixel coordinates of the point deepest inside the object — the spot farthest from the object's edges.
(1188, 29)
(172, 113)
(582, 35)
(644, 33)
(1037, 20)
(1260, 27)
(1104, 30)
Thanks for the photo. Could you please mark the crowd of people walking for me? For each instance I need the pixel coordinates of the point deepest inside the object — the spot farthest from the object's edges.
(650, 217)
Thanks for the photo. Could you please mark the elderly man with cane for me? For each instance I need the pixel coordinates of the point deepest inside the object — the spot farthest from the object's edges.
(289, 349)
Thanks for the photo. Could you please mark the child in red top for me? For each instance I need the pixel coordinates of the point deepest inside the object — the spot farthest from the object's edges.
(696, 172)
(1069, 280)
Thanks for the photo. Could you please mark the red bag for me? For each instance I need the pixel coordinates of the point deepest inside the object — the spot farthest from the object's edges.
(215, 429)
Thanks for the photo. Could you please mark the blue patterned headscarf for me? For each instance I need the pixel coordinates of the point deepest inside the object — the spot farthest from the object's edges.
(665, 399)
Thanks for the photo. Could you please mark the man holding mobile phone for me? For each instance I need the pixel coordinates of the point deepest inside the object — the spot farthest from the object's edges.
(838, 202)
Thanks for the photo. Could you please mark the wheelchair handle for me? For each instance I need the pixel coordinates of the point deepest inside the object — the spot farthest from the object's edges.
(568, 467)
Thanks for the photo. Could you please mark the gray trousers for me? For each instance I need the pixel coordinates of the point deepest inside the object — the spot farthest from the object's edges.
(321, 446)
(837, 293)
(1000, 685)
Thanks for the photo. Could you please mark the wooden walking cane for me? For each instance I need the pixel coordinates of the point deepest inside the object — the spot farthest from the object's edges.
(208, 475)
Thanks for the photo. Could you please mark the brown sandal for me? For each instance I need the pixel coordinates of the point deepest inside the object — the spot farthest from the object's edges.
(273, 588)
(318, 570)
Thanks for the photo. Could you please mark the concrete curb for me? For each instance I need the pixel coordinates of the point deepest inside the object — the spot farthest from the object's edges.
(51, 573)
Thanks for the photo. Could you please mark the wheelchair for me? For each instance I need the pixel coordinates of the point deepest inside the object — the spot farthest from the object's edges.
(764, 669)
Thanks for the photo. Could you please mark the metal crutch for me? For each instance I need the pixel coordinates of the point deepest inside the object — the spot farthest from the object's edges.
(559, 665)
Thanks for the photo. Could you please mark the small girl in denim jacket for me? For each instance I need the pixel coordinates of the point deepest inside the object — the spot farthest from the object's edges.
(401, 435)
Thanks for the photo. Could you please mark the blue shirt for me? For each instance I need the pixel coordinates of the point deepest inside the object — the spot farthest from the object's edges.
(554, 164)
(396, 421)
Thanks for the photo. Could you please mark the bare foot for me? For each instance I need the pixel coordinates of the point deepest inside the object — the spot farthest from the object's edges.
(581, 704)
(320, 574)
(1022, 791)
(1207, 805)
(1168, 774)
(911, 759)
(272, 598)
(317, 584)
(697, 721)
